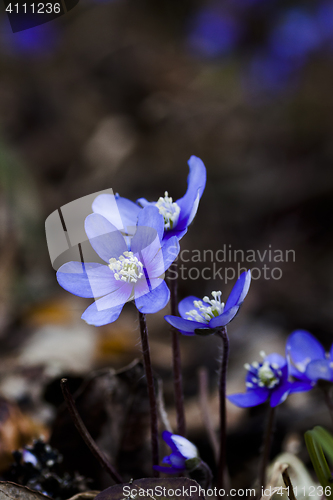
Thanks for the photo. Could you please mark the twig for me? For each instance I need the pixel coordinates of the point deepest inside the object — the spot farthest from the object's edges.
(206, 414)
(151, 390)
(84, 433)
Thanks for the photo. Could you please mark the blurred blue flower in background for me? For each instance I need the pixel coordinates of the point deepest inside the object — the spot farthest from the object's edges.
(273, 40)
(325, 21)
(268, 380)
(308, 360)
(296, 35)
(39, 41)
(213, 32)
(268, 73)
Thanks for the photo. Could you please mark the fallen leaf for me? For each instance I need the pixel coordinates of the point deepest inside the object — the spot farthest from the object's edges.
(165, 488)
(16, 430)
(12, 491)
(115, 409)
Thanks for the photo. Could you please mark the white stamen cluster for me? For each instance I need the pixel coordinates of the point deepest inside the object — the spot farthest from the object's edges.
(169, 209)
(264, 374)
(127, 268)
(215, 308)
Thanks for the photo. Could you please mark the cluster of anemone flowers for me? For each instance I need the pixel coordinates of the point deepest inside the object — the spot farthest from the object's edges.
(275, 40)
(137, 244)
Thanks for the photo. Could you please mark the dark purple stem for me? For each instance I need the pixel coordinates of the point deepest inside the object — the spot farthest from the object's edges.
(205, 410)
(176, 358)
(151, 391)
(267, 445)
(84, 433)
(222, 393)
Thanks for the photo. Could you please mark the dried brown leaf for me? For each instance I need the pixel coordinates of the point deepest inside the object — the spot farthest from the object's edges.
(12, 491)
(144, 488)
(115, 409)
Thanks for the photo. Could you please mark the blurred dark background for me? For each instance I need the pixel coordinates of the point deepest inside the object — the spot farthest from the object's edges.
(119, 94)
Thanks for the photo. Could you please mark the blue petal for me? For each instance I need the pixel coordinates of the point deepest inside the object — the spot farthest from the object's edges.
(301, 387)
(167, 470)
(102, 280)
(154, 264)
(151, 217)
(224, 318)
(105, 238)
(196, 182)
(177, 461)
(116, 298)
(144, 203)
(185, 448)
(276, 359)
(187, 305)
(253, 397)
(73, 277)
(151, 252)
(162, 260)
(280, 394)
(170, 251)
(188, 334)
(154, 300)
(281, 362)
(149, 233)
(296, 373)
(174, 232)
(239, 291)
(99, 318)
(319, 369)
(122, 213)
(129, 212)
(302, 347)
(331, 352)
(184, 325)
(167, 435)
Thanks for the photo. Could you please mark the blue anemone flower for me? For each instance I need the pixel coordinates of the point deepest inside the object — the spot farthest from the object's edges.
(182, 450)
(267, 380)
(133, 270)
(296, 36)
(177, 215)
(308, 360)
(207, 315)
(213, 32)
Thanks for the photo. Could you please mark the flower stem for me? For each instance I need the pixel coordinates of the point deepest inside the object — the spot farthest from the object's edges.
(176, 359)
(151, 390)
(266, 450)
(222, 473)
(78, 422)
(205, 411)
